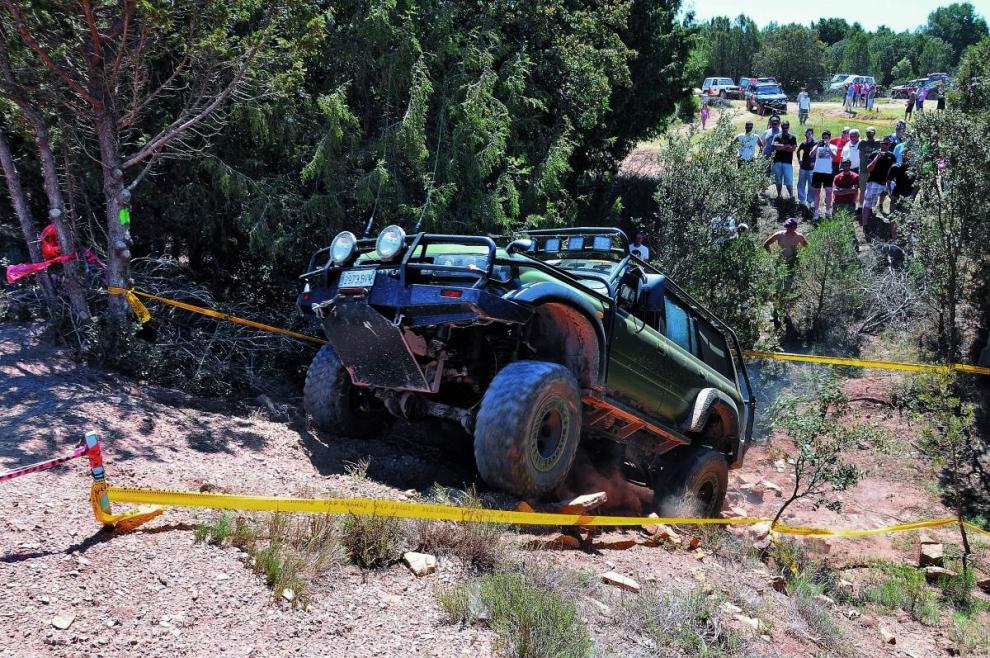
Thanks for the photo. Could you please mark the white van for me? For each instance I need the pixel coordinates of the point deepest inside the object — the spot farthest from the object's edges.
(722, 87)
(840, 80)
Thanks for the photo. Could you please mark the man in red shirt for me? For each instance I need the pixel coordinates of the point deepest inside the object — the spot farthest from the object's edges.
(839, 143)
(845, 189)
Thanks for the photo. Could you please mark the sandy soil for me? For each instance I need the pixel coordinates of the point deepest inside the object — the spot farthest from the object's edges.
(156, 592)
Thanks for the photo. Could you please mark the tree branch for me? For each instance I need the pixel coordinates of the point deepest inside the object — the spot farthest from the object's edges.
(52, 65)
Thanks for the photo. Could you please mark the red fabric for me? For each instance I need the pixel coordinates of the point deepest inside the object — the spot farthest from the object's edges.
(50, 248)
(16, 272)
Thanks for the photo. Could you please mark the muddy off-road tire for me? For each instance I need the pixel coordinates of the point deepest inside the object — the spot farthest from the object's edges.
(528, 428)
(333, 401)
(693, 484)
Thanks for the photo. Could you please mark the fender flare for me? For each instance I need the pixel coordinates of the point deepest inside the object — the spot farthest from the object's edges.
(545, 292)
(707, 401)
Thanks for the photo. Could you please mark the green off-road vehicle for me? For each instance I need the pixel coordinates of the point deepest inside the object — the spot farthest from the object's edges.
(559, 337)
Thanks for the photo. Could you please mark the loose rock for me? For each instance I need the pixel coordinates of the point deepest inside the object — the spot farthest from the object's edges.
(420, 564)
(63, 621)
(930, 555)
(932, 573)
(888, 637)
(620, 581)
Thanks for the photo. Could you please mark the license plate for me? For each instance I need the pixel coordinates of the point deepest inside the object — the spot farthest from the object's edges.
(357, 279)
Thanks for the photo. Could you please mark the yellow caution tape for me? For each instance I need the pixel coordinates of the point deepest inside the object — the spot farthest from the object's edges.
(406, 510)
(867, 363)
(396, 509)
(130, 294)
(140, 310)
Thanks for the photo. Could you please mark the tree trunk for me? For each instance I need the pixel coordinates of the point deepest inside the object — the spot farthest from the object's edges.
(28, 227)
(116, 197)
(66, 232)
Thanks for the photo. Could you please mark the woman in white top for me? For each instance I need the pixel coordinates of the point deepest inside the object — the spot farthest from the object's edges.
(822, 175)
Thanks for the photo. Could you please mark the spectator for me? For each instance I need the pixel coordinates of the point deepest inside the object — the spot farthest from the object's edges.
(789, 240)
(850, 93)
(899, 152)
(783, 148)
(747, 142)
(871, 97)
(704, 113)
(941, 97)
(851, 150)
(909, 107)
(769, 135)
(922, 95)
(839, 143)
(878, 173)
(898, 135)
(902, 180)
(856, 91)
(845, 188)
(637, 248)
(867, 149)
(804, 106)
(822, 173)
(806, 165)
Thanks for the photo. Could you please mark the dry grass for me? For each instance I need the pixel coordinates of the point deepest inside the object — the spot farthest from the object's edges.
(480, 546)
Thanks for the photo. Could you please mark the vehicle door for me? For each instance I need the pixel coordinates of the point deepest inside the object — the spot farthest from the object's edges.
(648, 370)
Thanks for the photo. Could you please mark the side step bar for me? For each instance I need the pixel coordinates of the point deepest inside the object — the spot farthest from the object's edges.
(600, 415)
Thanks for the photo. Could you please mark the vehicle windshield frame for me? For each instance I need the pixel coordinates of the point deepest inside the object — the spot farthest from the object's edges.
(766, 87)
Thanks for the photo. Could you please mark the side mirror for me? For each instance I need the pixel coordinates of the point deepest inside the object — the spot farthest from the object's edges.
(522, 244)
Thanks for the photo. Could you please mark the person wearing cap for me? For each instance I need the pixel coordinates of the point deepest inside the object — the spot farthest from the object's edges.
(839, 143)
(867, 149)
(783, 148)
(804, 106)
(747, 143)
(845, 188)
(878, 171)
(821, 174)
(789, 240)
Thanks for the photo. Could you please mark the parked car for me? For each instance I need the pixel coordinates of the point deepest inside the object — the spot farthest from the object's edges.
(904, 90)
(746, 83)
(841, 80)
(765, 97)
(560, 337)
(720, 87)
(929, 81)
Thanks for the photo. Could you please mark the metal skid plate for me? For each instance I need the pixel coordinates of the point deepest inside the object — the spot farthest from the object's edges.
(372, 348)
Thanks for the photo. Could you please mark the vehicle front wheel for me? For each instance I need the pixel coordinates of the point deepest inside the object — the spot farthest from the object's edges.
(692, 485)
(528, 428)
(335, 404)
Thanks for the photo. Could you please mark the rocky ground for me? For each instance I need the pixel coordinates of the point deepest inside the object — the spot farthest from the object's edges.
(72, 589)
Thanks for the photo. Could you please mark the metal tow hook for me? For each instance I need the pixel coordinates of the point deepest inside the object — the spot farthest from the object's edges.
(318, 309)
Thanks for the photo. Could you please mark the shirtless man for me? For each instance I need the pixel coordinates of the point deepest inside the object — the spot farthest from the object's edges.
(789, 239)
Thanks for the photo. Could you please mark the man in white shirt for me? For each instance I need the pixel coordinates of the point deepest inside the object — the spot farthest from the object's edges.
(747, 144)
(851, 150)
(804, 106)
(637, 248)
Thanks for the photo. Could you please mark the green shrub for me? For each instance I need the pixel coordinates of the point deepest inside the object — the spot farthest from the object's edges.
(532, 621)
(684, 623)
(372, 541)
(898, 586)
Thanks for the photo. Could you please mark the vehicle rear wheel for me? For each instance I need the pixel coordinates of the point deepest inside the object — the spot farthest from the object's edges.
(335, 404)
(721, 94)
(528, 428)
(693, 485)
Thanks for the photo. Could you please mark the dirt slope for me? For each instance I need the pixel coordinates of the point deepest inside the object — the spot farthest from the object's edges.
(156, 592)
